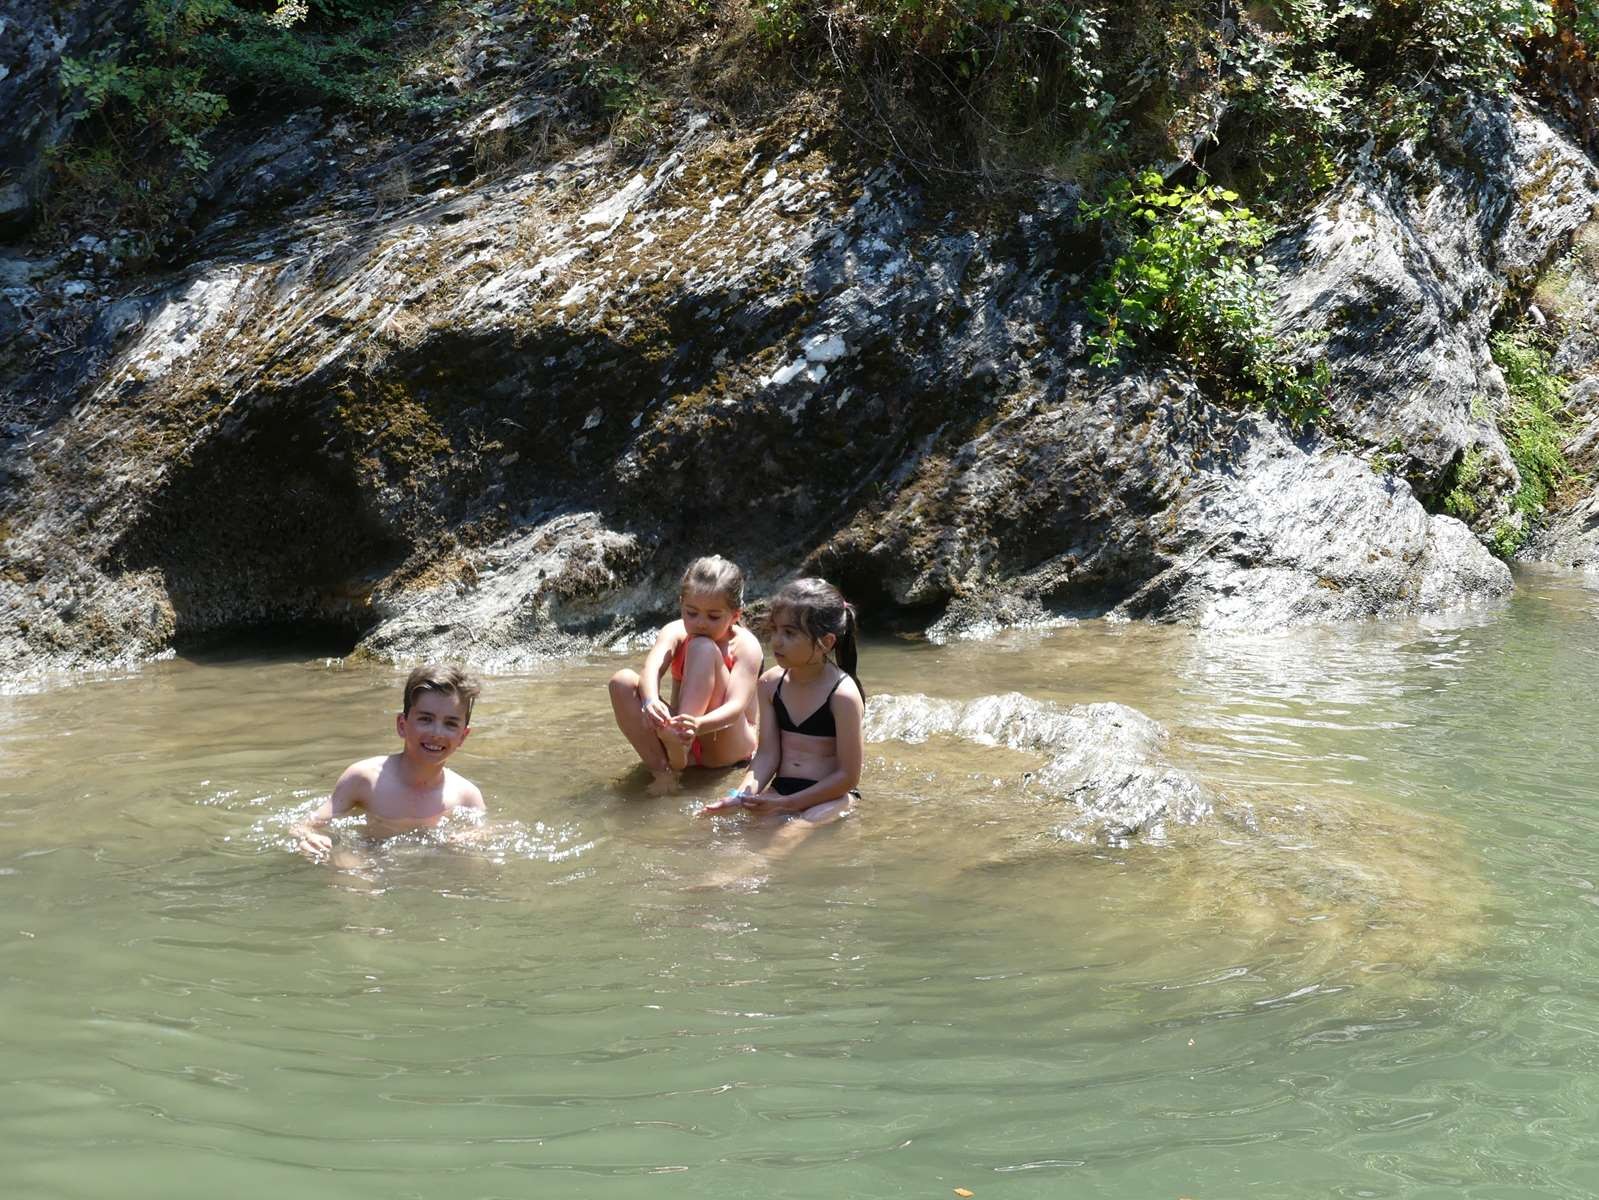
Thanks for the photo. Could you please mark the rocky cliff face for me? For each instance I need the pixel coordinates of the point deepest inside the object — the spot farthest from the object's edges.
(487, 411)
(34, 36)
(1403, 273)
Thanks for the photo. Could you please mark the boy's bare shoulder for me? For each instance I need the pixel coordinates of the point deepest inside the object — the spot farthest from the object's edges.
(461, 792)
(367, 769)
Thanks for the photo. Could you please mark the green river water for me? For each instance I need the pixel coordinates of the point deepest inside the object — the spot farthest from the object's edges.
(1374, 975)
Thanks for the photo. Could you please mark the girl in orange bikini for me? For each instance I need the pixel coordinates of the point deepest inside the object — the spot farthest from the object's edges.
(811, 709)
(714, 661)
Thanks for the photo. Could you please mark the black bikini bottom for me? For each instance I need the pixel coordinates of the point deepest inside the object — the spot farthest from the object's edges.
(787, 785)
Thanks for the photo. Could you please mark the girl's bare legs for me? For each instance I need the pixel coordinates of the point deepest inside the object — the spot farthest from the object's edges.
(785, 839)
(704, 686)
(641, 735)
(787, 836)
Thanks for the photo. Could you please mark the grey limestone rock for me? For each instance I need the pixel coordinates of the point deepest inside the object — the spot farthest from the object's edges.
(1401, 273)
(1141, 497)
(491, 413)
(34, 36)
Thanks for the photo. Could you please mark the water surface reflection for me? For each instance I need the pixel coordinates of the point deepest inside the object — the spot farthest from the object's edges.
(1371, 975)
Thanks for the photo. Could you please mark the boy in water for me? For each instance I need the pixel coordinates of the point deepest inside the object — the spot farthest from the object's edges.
(412, 789)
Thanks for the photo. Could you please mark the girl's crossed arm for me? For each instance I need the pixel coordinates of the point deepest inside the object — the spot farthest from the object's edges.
(741, 684)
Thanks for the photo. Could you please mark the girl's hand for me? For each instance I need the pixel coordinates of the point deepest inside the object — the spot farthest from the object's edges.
(656, 713)
(764, 804)
(728, 803)
(686, 727)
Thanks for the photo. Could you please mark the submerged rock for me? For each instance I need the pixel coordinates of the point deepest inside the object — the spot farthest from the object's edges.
(1103, 759)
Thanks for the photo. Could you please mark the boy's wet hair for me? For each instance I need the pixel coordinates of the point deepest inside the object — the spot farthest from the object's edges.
(713, 575)
(449, 681)
(819, 608)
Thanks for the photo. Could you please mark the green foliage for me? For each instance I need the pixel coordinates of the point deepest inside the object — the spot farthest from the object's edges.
(151, 101)
(1185, 277)
(1462, 498)
(1533, 423)
(1581, 17)
(970, 87)
(1475, 42)
(1533, 426)
(1273, 98)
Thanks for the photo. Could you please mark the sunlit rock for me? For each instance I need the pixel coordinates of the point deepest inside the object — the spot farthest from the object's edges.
(1103, 759)
(1399, 275)
(393, 403)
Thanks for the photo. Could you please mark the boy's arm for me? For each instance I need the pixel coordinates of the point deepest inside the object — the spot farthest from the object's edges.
(649, 676)
(470, 797)
(354, 786)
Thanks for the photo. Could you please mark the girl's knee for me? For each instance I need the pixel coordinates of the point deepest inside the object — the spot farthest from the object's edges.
(828, 810)
(701, 653)
(623, 682)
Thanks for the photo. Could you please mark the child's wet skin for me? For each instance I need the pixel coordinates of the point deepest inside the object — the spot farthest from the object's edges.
(709, 719)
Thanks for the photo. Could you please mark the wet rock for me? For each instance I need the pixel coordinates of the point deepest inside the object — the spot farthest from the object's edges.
(1104, 760)
(431, 382)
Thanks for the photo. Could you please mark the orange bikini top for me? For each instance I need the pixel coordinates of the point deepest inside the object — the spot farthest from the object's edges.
(682, 653)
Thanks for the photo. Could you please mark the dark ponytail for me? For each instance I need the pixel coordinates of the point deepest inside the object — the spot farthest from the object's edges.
(820, 609)
(845, 650)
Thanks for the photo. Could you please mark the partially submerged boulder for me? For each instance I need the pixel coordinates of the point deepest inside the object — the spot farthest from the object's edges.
(1103, 760)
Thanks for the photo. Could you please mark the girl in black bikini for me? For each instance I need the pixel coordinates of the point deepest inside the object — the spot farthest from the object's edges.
(811, 765)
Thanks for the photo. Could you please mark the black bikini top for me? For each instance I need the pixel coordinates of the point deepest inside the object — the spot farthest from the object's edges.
(819, 724)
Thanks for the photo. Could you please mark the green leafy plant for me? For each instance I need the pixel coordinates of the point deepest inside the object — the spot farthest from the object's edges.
(147, 104)
(1533, 422)
(1462, 498)
(1186, 277)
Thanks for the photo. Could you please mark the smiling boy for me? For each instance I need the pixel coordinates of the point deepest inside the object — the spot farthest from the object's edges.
(412, 789)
